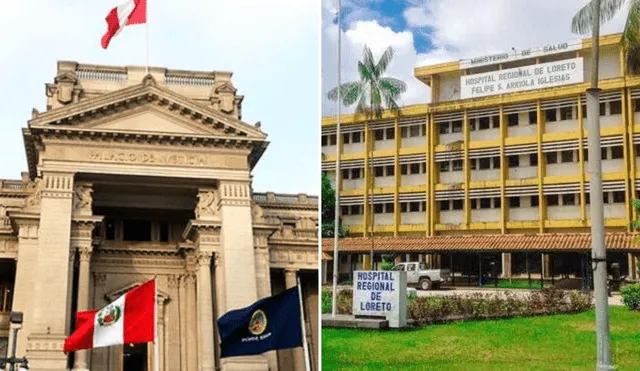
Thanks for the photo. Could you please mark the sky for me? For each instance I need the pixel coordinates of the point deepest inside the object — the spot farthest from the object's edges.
(426, 32)
(272, 47)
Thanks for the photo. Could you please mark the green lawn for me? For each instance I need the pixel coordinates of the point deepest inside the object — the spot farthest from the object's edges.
(561, 342)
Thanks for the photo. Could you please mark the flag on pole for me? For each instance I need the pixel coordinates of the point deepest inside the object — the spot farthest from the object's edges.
(130, 319)
(268, 324)
(130, 13)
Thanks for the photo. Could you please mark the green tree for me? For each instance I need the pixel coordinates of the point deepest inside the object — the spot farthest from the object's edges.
(328, 208)
(582, 23)
(373, 92)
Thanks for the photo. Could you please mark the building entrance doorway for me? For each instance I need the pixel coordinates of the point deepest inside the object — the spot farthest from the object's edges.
(135, 357)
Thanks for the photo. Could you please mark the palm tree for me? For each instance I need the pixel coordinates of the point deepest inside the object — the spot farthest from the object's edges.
(582, 23)
(372, 93)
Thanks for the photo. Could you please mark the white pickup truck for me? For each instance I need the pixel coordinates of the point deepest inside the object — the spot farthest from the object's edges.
(418, 275)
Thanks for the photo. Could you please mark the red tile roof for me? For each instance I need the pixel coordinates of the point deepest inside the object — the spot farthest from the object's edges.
(487, 242)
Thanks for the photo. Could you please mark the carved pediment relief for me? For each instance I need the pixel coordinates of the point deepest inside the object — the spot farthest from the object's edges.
(152, 120)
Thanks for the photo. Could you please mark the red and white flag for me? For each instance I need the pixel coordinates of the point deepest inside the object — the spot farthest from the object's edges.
(130, 319)
(130, 13)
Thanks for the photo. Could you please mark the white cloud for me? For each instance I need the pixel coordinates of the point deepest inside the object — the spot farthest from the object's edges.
(457, 29)
(272, 48)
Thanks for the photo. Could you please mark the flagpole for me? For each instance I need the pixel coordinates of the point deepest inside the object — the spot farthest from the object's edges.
(156, 358)
(146, 36)
(307, 362)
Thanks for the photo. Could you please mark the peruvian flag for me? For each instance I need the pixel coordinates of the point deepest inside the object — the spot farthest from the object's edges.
(130, 319)
(130, 13)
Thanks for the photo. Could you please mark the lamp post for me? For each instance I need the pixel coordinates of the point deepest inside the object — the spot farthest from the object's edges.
(15, 318)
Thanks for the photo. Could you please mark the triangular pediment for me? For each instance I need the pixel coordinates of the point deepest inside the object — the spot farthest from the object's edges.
(146, 108)
(150, 119)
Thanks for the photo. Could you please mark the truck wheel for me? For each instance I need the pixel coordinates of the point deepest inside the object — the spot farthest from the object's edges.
(425, 284)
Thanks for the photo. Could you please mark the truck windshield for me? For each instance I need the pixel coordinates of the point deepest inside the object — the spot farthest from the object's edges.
(423, 266)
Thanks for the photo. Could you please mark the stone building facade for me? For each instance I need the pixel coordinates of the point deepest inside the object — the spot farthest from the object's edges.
(135, 175)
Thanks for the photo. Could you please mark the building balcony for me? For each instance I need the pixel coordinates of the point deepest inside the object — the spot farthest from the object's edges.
(485, 215)
(482, 135)
(413, 180)
(351, 183)
(451, 216)
(413, 142)
(352, 148)
(523, 214)
(451, 138)
(383, 182)
(380, 145)
(524, 172)
(485, 175)
(563, 169)
(564, 212)
(451, 177)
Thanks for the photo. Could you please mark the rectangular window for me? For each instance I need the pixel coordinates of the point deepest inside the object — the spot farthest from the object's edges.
(136, 230)
(415, 168)
(497, 203)
(636, 105)
(533, 117)
(552, 200)
(456, 127)
(615, 107)
(356, 173)
(472, 124)
(423, 206)
(378, 171)
(585, 154)
(605, 197)
(535, 201)
(356, 210)
(584, 111)
(414, 207)
(444, 205)
(404, 132)
(414, 131)
(378, 134)
(458, 204)
(566, 113)
(378, 208)
(356, 137)
(566, 156)
(484, 163)
(550, 115)
(391, 133)
(484, 123)
(514, 161)
(512, 119)
(485, 203)
(603, 153)
(618, 197)
(568, 199)
(346, 138)
(496, 162)
(324, 140)
(333, 138)
(444, 128)
(603, 109)
(110, 229)
(444, 166)
(404, 169)
(587, 198)
(616, 153)
(533, 159)
(391, 170)
(345, 210)
(164, 231)
(388, 208)
(473, 164)
(474, 203)
(456, 165)
(345, 173)
(403, 207)
(552, 157)
(514, 202)
(495, 120)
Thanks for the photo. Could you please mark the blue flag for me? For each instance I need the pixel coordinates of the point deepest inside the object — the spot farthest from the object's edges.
(269, 324)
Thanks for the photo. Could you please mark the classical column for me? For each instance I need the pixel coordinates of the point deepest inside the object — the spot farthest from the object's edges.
(192, 323)
(173, 353)
(82, 356)
(49, 312)
(205, 312)
(291, 280)
(182, 297)
(506, 265)
(25, 279)
(238, 287)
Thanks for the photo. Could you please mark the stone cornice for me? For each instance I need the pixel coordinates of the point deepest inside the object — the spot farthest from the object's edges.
(199, 226)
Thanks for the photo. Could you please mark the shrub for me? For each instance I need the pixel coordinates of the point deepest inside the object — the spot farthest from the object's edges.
(631, 296)
(386, 266)
(344, 302)
(326, 301)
